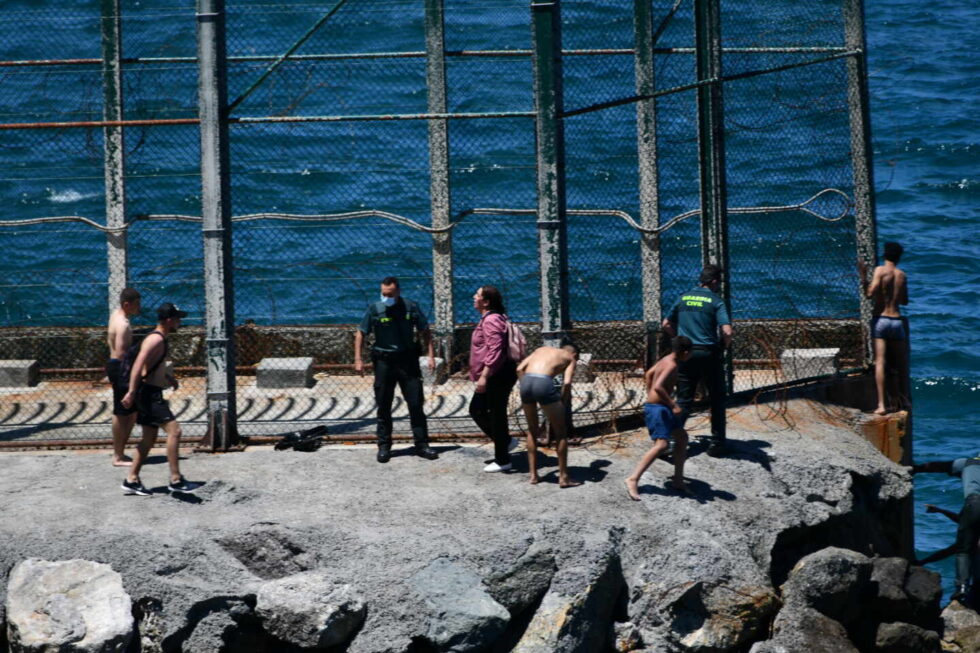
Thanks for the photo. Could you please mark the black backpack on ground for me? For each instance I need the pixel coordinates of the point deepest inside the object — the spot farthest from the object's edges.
(308, 440)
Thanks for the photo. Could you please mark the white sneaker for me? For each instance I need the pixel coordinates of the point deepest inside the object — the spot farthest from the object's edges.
(494, 467)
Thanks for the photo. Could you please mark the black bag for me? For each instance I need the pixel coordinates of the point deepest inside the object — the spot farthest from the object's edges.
(308, 440)
(129, 359)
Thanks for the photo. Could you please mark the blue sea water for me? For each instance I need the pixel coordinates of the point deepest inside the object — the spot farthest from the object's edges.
(787, 140)
(925, 108)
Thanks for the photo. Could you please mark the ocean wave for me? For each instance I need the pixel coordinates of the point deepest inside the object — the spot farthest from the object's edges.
(68, 196)
(950, 390)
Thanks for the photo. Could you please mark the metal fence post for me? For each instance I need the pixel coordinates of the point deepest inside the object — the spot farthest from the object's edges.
(550, 151)
(646, 141)
(862, 167)
(442, 243)
(711, 149)
(114, 151)
(216, 227)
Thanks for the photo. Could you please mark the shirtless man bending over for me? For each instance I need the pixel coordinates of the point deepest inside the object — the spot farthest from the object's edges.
(664, 417)
(119, 337)
(536, 373)
(889, 290)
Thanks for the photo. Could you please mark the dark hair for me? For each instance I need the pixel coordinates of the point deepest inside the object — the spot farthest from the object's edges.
(681, 344)
(128, 295)
(893, 252)
(493, 298)
(567, 342)
(709, 274)
(390, 281)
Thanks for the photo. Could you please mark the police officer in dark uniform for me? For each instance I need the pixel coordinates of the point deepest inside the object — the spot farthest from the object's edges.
(700, 314)
(395, 355)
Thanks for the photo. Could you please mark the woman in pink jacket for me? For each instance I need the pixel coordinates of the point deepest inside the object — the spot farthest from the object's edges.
(494, 374)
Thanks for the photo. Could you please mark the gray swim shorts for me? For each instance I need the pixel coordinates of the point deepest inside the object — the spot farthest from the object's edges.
(889, 328)
(539, 388)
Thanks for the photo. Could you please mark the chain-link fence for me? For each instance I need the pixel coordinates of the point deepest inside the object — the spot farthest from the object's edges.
(337, 181)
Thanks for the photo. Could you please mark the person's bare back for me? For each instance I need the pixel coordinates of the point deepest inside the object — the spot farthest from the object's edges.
(660, 381)
(888, 290)
(547, 360)
(119, 334)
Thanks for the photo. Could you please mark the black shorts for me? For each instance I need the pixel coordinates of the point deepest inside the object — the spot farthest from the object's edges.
(153, 409)
(119, 388)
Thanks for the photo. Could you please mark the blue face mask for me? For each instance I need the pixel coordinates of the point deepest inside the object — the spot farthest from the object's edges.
(388, 301)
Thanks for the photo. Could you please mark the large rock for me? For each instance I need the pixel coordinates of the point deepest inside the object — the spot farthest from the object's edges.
(310, 610)
(832, 581)
(722, 617)
(68, 605)
(800, 628)
(961, 628)
(906, 638)
(925, 590)
(463, 615)
(522, 584)
(577, 612)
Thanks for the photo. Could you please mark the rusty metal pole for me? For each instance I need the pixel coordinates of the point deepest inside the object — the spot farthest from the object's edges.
(549, 129)
(439, 191)
(114, 151)
(646, 141)
(216, 226)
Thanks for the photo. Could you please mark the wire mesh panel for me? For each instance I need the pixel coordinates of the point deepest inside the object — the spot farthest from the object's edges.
(351, 162)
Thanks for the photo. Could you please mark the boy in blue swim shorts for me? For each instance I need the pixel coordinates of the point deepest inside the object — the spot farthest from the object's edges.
(664, 417)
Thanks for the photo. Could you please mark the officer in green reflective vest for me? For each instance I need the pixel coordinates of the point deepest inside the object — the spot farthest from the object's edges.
(394, 321)
(701, 315)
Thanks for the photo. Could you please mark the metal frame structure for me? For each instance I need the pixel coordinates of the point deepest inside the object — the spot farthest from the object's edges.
(546, 57)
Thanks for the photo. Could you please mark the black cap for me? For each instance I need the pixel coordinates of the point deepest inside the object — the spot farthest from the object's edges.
(168, 310)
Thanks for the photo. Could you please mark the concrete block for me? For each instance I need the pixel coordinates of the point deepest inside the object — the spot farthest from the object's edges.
(436, 377)
(804, 363)
(584, 371)
(284, 373)
(19, 373)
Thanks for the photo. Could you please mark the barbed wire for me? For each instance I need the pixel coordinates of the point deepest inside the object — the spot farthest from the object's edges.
(412, 224)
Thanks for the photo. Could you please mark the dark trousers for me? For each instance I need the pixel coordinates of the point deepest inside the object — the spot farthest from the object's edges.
(403, 370)
(707, 363)
(966, 537)
(489, 410)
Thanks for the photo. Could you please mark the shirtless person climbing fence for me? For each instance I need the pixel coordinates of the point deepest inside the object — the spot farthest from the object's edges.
(119, 338)
(664, 417)
(537, 373)
(889, 290)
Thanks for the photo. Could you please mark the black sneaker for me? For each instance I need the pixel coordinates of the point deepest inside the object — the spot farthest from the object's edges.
(134, 488)
(426, 452)
(182, 485)
(384, 454)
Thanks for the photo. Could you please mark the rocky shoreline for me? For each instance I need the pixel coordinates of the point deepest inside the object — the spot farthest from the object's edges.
(788, 544)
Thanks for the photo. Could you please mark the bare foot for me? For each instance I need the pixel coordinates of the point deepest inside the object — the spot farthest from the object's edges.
(534, 480)
(633, 489)
(568, 483)
(880, 411)
(680, 486)
(125, 461)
